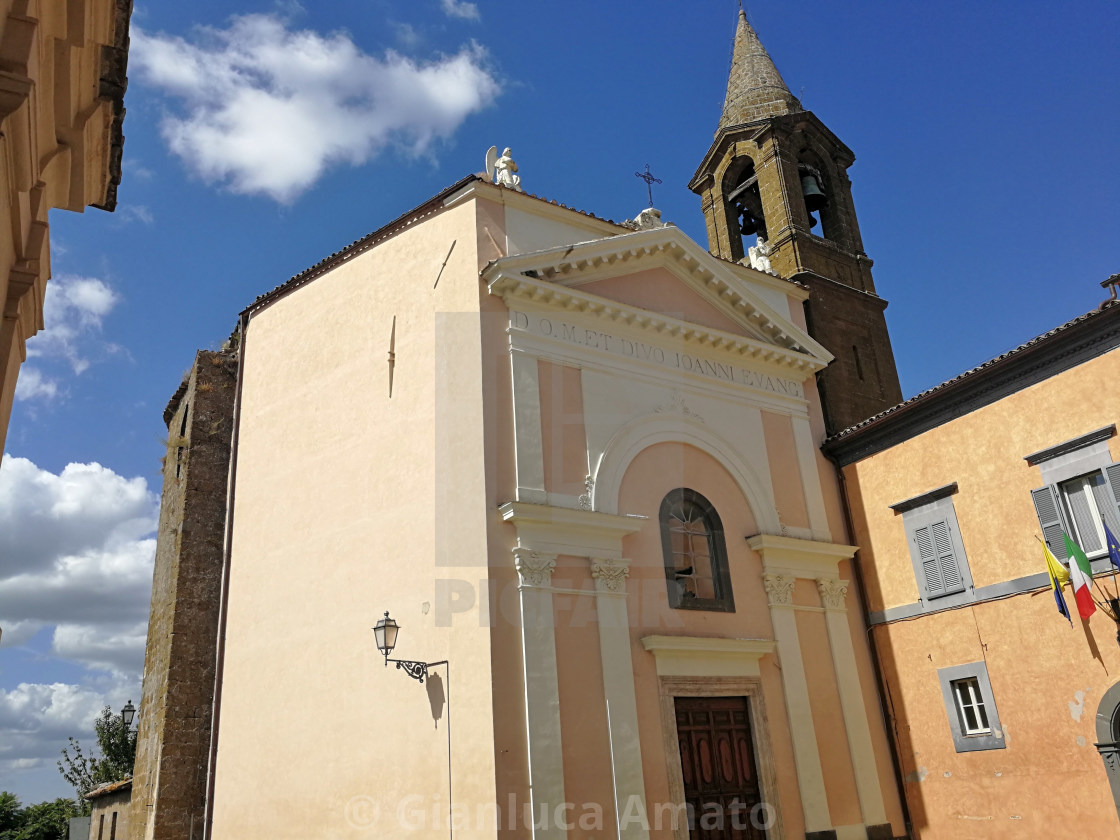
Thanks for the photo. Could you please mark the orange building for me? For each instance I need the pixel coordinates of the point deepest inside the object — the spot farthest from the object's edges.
(1004, 715)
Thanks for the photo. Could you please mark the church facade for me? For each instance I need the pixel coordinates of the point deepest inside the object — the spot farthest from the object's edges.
(578, 465)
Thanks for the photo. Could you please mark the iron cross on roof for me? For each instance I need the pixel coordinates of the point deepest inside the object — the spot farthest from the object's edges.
(650, 180)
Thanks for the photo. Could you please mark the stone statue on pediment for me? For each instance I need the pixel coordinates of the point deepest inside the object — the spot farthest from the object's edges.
(503, 170)
(759, 255)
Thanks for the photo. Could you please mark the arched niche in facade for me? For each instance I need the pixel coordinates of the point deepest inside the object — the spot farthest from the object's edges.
(647, 431)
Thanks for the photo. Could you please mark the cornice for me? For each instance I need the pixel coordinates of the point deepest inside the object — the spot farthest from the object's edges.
(799, 558)
(536, 205)
(537, 294)
(702, 644)
(755, 130)
(582, 533)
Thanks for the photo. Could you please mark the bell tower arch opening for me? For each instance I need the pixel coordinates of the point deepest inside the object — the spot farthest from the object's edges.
(745, 219)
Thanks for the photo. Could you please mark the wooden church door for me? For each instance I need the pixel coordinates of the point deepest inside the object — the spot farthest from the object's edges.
(721, 785)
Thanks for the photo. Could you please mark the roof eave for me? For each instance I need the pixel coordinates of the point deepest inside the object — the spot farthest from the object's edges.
(1061, 349)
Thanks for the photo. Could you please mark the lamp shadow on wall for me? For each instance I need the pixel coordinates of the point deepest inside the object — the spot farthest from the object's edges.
(437, 697)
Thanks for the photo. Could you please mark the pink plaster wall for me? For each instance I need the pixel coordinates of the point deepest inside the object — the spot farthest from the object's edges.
(562, 428)
(785, 477)
(652, 474)
(583, 715)
(660, 290)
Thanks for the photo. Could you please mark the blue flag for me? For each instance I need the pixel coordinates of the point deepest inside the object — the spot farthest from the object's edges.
(1113, 547)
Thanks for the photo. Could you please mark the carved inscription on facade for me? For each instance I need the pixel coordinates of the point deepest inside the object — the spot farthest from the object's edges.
(689, 363)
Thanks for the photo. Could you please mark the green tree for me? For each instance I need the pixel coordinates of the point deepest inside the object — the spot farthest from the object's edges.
(45, 821)
(11, 817)
(118, 755)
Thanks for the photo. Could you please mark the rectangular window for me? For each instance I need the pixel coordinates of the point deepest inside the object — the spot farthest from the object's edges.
(1083, 499)
(938, 557)
(970, 707)
(936, 547)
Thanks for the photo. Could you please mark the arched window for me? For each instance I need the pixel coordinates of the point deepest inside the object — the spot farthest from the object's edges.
(695, 553)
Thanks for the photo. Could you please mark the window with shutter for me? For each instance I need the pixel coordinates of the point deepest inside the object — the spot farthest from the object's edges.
(931, 569)
(936, 548)
(940, 569)
(1050, 518)
(1082, 507)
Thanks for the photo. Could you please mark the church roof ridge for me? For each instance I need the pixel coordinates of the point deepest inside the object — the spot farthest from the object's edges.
(377, 236)
(755, 88)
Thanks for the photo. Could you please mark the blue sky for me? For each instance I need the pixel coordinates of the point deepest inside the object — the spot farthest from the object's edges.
(262, 136)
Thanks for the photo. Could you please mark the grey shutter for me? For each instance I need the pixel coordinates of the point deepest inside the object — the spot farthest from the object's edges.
(1112, 512)
(951, 578)
(1050, 518)
(931, 565)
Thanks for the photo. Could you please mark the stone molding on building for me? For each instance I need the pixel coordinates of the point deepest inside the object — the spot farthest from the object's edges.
(833, 593)
(779, 590)
(533, 567)
(610, 575)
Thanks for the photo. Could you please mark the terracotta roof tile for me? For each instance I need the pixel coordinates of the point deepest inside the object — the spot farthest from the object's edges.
(110, 787)
(949, 383)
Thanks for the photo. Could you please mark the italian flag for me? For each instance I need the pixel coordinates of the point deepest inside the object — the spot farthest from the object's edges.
(1080, 577)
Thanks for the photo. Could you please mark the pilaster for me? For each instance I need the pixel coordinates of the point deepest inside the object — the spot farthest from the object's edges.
(807, 762)
(833, 594)
(529, 445)
(542, 689)
(618, 685)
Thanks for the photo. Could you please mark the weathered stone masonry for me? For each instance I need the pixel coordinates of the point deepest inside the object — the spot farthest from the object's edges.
(169, 790)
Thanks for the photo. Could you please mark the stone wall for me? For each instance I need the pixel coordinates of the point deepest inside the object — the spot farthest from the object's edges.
(176, 704)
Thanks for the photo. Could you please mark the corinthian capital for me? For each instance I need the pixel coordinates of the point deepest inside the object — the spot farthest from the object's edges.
(534, 568)
(610, 575)
(779, 589)
(833, 592)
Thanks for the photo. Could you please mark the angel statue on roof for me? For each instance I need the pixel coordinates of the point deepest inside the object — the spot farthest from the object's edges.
(503, 167)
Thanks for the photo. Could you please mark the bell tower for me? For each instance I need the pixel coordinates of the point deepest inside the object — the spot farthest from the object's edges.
(776, 174)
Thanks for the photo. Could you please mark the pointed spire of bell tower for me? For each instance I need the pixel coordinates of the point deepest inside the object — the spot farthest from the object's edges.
(776, 176)
(755, 88)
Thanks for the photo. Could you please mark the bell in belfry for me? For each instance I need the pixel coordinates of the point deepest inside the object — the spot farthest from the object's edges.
(747, 222)
(815, 199)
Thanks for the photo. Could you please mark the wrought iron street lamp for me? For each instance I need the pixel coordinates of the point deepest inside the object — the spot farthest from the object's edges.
(128, 714)
(385, 635)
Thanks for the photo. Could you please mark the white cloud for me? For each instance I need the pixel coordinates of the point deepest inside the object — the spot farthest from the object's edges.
(73, 312)
(31, 385)
(135, 213)
(460, 9)
(266, 109)
(37, 718)
(76, 552)
(54, 523)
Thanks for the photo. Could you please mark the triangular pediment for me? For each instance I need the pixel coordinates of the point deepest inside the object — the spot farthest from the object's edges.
(673, 283)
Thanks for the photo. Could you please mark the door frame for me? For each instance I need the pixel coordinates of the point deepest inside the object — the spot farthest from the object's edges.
(671, 687)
